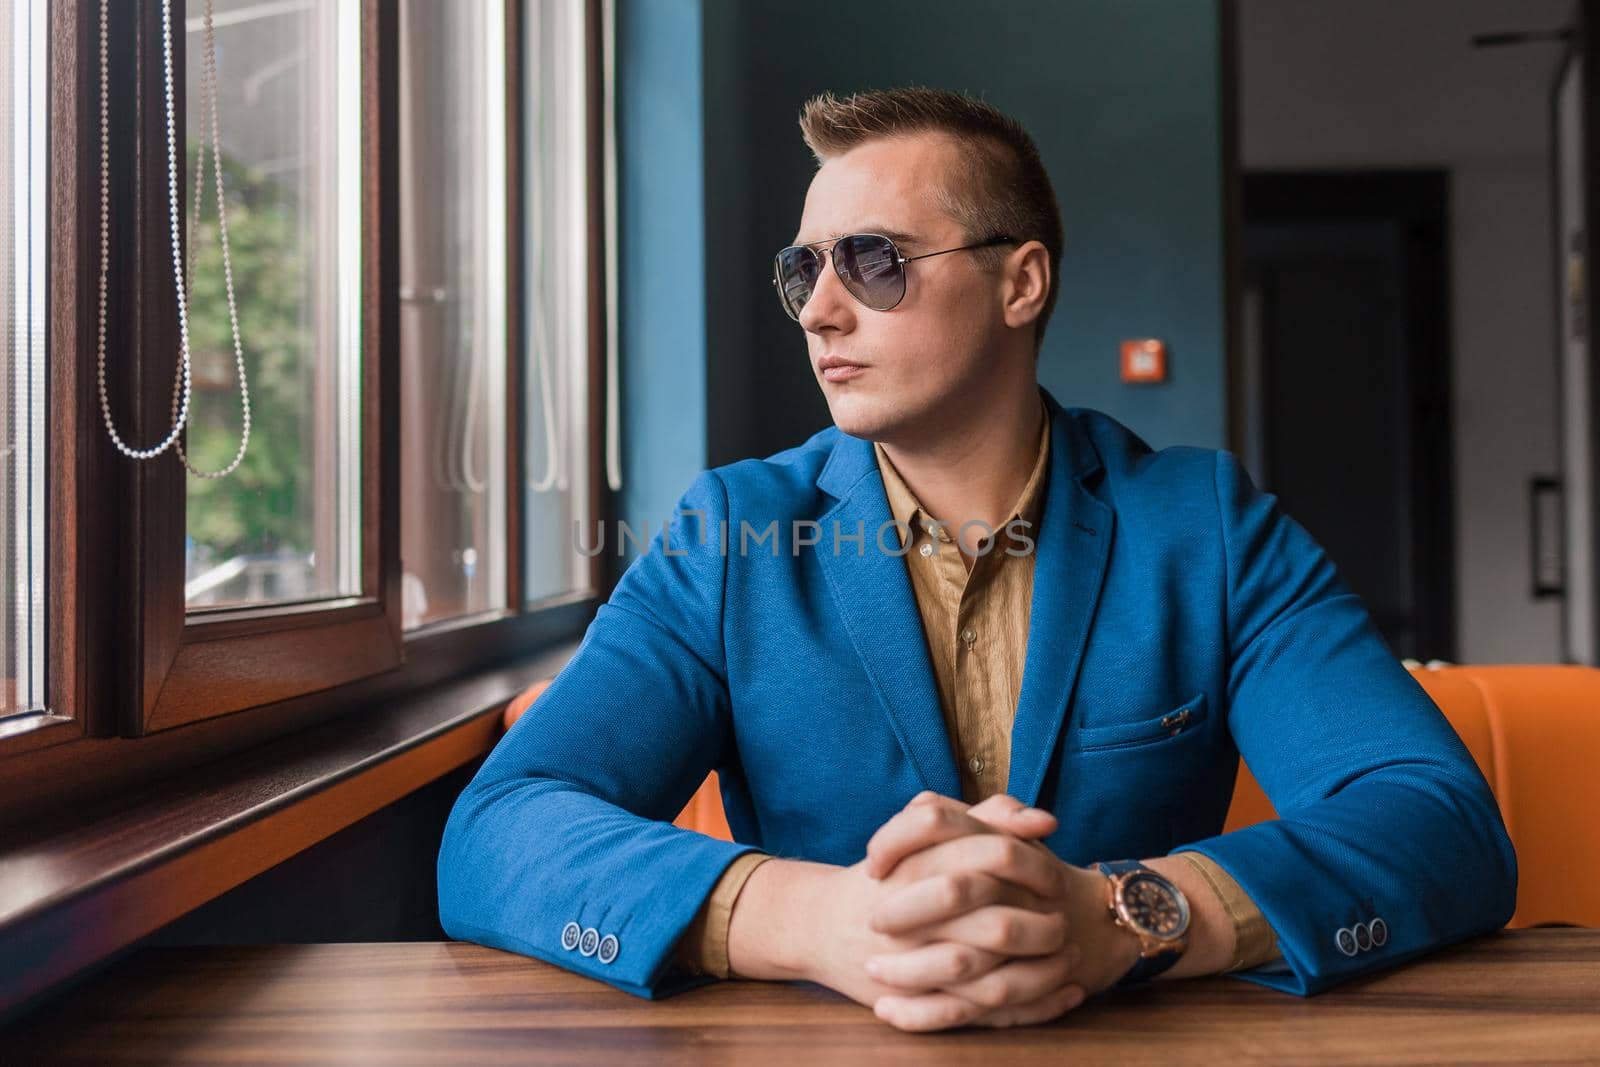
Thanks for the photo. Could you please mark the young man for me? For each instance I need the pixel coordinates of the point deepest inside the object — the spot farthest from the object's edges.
(976, 671)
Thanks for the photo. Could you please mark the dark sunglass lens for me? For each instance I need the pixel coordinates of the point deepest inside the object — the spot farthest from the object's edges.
(797, 277)
(871, 270)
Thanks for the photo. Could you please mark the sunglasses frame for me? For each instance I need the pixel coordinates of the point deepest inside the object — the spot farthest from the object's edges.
(821, 249)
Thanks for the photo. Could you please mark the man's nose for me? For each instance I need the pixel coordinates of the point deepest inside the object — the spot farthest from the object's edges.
(830, 304)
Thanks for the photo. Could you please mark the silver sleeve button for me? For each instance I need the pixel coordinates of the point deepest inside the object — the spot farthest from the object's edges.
(608, 948)
(1380, 932)
(589, 941)
(1345, 939)
(569, 936)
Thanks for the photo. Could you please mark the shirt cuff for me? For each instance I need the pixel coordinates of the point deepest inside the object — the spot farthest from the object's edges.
(703, 949)
(1255, 943)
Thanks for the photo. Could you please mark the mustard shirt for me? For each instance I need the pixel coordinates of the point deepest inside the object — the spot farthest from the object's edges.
(975, 616)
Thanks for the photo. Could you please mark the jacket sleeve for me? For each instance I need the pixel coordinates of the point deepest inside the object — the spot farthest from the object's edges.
(562, 846)
(1384, 818)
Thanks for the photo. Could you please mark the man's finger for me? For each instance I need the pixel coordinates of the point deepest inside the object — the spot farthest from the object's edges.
(1000, 804)
(1052, 1005)
(944, 1011)
(1003, 929)
(1023, 863)
(926, 1011)
(1020, 981)
(931, 967)
(945, 896)
(1007, 813)
(1014, 994)
(926, 822)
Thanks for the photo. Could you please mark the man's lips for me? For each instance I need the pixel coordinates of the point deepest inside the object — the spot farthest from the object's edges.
(835, 369)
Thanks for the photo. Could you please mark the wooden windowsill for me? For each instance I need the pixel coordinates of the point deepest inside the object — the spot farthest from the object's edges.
(77, 889)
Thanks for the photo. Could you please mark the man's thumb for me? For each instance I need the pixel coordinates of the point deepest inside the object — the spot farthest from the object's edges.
(1007, 812)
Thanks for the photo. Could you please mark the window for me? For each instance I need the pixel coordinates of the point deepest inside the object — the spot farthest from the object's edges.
(453, 308)
(558, 190)
(374, 169)
(23, 146)
(462, 350)
(377, 169)
(284, 526)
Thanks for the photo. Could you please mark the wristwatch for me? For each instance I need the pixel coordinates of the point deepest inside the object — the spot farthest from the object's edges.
(1152, 909)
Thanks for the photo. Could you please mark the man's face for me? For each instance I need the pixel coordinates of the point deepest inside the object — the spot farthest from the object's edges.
(927, 355)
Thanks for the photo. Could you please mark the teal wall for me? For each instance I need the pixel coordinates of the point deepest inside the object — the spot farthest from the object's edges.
(1123, 97)
(661, 211)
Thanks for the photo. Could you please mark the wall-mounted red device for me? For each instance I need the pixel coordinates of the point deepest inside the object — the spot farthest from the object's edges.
(1144, 360)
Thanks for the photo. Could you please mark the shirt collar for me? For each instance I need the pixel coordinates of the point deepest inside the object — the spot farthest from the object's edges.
(909, 512)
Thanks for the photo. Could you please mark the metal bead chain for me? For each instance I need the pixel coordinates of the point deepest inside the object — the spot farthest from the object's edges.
(105, 196)
(182, 384)
(208, 100)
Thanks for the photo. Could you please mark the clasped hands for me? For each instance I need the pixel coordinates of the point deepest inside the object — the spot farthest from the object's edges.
(959, 916)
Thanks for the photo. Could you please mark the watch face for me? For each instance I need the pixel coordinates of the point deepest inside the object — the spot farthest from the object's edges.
(1152, 905)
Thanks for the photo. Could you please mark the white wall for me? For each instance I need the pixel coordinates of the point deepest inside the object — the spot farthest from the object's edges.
(1394, 83)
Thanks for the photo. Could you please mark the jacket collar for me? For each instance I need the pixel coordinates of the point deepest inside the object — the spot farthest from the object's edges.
(853, 458)
(908, 511)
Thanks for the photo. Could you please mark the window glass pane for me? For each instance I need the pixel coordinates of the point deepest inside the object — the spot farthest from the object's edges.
(453, 308)
(286, 525)
(555, 402)
(23, 98)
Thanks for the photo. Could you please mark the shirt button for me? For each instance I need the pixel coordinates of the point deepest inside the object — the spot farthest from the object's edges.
(926, 549)
(976, 765)
(969, 635)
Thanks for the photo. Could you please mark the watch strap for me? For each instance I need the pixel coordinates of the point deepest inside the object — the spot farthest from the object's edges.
(1145, 967)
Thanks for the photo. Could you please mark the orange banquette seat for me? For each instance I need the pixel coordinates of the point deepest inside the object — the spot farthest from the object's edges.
(1535, 732)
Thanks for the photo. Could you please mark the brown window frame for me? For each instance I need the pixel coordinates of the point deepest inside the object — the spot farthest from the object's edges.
(189, 667)
(137, 688)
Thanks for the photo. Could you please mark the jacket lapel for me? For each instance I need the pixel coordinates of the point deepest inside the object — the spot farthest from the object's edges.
(875, 599)
(1074, 543)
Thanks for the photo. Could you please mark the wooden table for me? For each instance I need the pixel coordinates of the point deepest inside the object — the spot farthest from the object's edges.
(1512, 996)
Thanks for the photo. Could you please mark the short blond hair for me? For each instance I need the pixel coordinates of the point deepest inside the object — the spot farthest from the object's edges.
(1001, 186)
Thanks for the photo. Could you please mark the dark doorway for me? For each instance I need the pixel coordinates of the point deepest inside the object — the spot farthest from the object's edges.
(1346, 383)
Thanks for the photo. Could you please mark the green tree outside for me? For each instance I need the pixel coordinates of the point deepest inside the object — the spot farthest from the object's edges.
(264, 505)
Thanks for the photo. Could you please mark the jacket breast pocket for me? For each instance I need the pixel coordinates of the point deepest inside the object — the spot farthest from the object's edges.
(1180, 720)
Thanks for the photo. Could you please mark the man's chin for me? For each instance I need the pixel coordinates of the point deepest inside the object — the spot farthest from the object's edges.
(856, 416)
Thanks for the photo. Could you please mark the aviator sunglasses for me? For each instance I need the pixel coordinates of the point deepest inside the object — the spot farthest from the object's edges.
(869, 264)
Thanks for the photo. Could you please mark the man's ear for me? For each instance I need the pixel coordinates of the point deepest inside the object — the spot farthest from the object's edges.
(1027, 285)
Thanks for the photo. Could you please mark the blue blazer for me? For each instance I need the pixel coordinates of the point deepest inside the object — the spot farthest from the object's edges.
(1164, 581)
